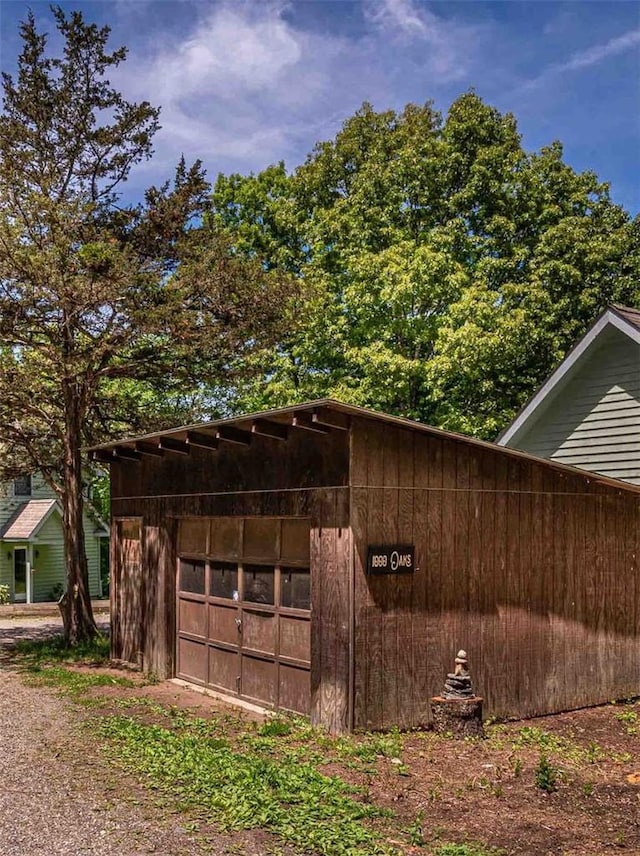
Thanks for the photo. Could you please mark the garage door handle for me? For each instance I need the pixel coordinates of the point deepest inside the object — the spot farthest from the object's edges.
(238, 623)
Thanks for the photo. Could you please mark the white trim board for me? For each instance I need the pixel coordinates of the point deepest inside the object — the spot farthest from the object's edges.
(609, 318)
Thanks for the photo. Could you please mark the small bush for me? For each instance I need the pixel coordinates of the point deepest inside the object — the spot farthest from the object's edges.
(56, 592)
(5, 594)
(546, 775)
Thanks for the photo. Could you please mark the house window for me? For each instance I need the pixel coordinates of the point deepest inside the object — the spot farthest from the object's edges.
(22, 486)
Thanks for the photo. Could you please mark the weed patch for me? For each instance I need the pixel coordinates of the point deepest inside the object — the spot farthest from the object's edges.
(466, 850)
(239, 789)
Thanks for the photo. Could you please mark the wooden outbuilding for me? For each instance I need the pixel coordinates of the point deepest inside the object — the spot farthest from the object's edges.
(331, 560)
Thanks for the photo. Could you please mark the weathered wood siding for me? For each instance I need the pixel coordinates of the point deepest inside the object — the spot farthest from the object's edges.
(533, 571)
(593, 421)
(304, 476)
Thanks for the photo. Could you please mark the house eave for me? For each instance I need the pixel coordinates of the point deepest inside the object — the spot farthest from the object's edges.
(609, 319)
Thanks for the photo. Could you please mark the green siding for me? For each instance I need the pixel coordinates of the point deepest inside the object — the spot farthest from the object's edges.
(49, 566)
(593, 420)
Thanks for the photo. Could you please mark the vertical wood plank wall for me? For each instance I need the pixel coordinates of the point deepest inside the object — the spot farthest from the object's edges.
(303, 477)
(533, 571)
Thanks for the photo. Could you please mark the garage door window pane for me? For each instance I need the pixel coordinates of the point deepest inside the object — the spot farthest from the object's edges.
(259, 585)
(192, 576)
(295, 588)
(224, 581)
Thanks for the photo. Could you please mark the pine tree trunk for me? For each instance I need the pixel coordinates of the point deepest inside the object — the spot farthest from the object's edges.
(75, 604)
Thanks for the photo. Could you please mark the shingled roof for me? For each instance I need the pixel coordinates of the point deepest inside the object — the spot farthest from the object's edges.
(27, 519)
(629, 314)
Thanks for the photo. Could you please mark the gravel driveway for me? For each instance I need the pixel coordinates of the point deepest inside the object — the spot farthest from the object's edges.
(58, 795)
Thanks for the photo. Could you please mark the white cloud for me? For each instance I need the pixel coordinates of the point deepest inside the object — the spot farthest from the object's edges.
(237, 86)
(247, 85)
(598, 53)
(401, 16)
(588, 58)
(446, 44)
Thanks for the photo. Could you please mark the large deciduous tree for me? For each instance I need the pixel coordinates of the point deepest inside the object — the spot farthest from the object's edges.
(111, 314)
(451, 269)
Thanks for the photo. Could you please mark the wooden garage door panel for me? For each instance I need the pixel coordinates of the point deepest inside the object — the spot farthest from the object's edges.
(294, 688)
(192, 536)
(295, 637)
(259, 679)
(224, 668)
(261, 536)
(295, 541)
(222, 624)
(259, 631)
(244, 608)
(226, 537)
(192, 659)
(193, 617)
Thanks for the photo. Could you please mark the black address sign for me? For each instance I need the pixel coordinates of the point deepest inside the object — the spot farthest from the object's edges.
(393, 559)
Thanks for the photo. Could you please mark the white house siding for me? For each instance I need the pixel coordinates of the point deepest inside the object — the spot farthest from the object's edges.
(592, 420)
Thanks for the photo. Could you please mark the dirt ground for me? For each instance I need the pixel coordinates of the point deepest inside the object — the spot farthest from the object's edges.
(485, 790)
(488, 791)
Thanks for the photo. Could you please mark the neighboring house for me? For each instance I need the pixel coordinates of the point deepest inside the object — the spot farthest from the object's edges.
(587, 413)
(31, 542)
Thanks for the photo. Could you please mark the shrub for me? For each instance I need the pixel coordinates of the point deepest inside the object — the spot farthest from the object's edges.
(4, 594)
(546, 775)
(56, 592)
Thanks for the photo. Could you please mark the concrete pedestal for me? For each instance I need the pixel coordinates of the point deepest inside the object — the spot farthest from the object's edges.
(461, 717)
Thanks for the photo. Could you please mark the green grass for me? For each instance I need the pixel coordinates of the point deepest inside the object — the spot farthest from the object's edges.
(249, 785)
(71, 682)
(46, 663)
(466, 850)
(56, 650)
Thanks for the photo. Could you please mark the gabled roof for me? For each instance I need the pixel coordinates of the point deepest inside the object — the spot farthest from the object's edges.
(322, 415)
(628, 314)
(27, 519)
(622, 318)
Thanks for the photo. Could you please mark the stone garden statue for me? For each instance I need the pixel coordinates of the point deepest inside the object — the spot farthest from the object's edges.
(458, 710)
(458, 683)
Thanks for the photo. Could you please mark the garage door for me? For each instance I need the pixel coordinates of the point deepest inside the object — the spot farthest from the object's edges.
(244, 608)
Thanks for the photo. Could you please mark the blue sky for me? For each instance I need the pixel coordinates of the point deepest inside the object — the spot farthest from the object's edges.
(245, 84)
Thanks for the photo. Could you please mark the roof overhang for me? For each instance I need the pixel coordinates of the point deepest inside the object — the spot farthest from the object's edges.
(316, 418)
(610, 319)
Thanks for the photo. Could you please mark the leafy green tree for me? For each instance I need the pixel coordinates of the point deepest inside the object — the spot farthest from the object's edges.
(448, 269)
(111, 314)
